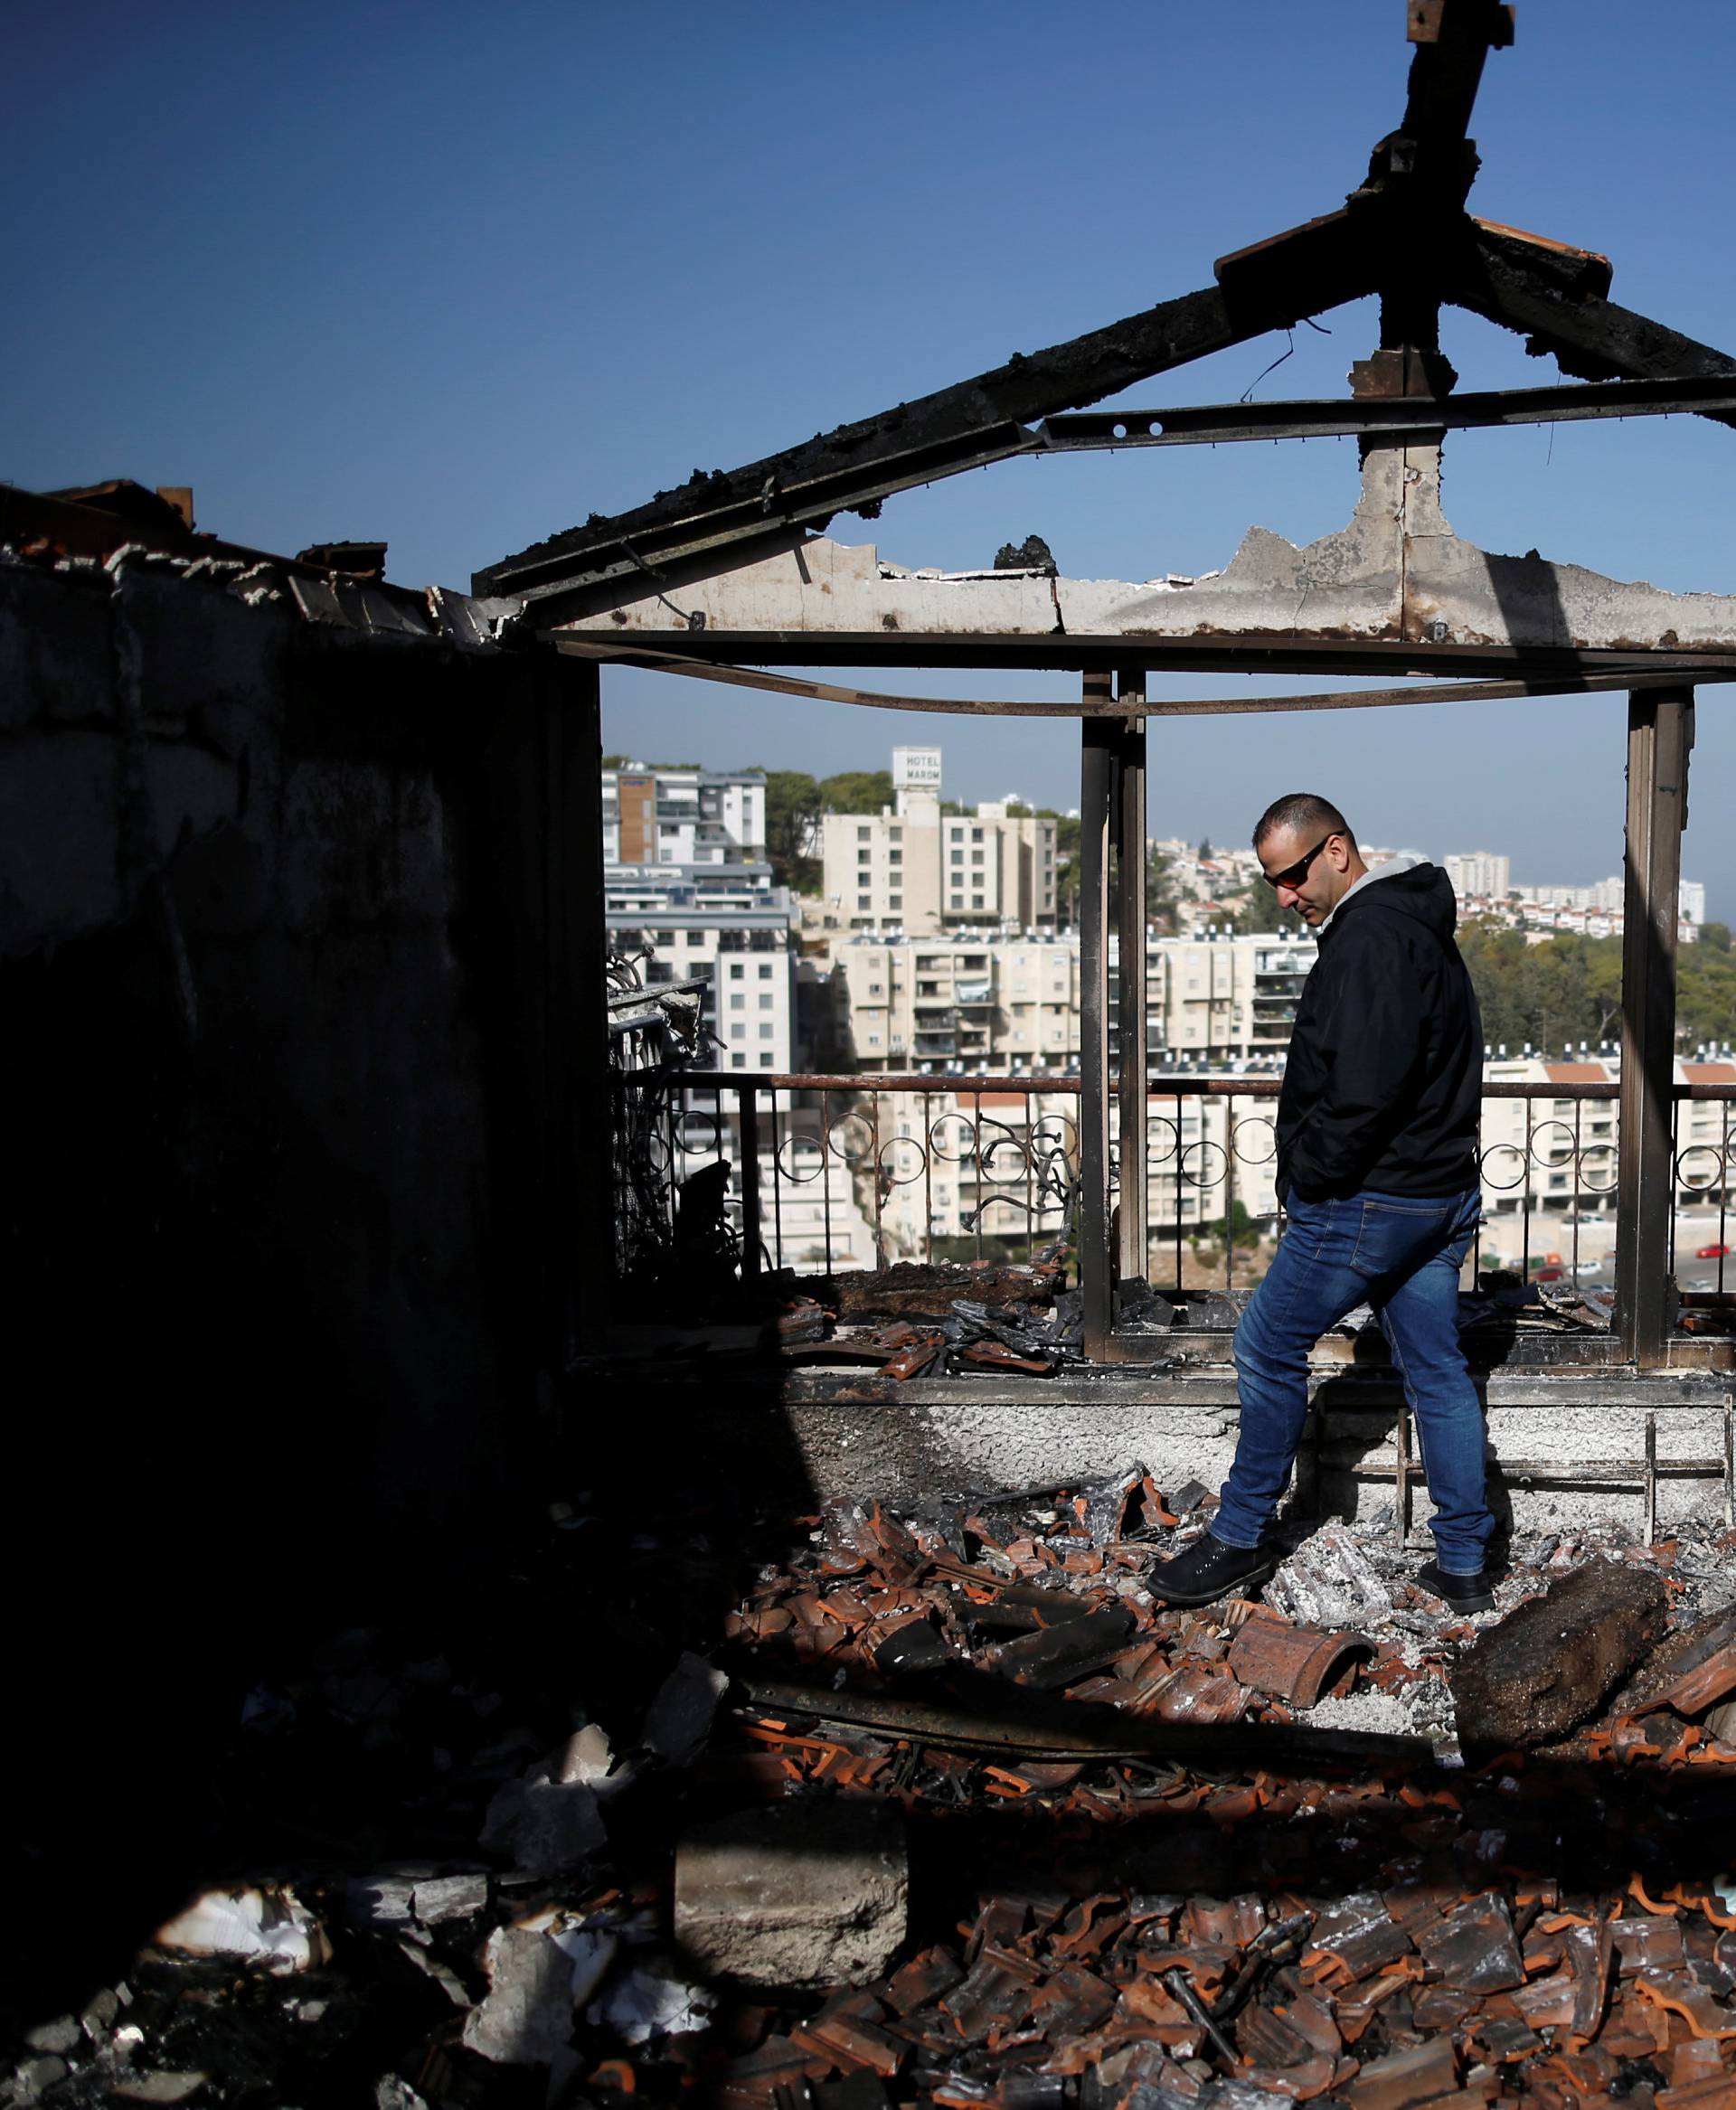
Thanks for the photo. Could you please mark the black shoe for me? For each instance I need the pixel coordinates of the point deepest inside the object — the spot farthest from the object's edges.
(1464, 1592)
(1209, 1570)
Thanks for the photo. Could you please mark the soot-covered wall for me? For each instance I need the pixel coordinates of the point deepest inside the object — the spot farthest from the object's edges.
(302, 998)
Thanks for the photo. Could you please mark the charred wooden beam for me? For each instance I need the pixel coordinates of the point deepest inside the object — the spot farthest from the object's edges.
(1034, 1726)
(1555, 299)
(1129, 832)
(1101, 741)
(853, 467)
(1660, 736)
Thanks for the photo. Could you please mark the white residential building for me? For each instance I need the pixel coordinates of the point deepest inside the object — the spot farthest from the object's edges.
(965, 1001)
(737, 938)
(683, 816)
(912, 867)
(1478, 871)
(685, 883)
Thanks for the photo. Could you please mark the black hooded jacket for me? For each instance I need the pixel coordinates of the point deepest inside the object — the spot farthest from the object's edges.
(1385, 1079)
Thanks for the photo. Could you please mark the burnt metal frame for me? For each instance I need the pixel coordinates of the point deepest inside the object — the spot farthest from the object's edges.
(1404, 234)
(1112, 806)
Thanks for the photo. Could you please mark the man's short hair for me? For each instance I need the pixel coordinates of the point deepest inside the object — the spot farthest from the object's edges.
(1307, 813)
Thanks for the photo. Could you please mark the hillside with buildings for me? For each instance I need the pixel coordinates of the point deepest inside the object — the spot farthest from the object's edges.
(933, 941)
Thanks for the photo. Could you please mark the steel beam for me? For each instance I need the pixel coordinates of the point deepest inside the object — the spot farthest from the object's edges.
(752, 1231)
(1329, 418)
(1660, 735)
(1129, 830)
(1096, 794)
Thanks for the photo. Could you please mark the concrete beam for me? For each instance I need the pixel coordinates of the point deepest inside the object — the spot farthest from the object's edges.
(1396, 575)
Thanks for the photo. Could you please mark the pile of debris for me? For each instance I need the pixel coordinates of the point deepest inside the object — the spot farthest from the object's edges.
(912, 1319)
(956, 1813)
(1045, 1594)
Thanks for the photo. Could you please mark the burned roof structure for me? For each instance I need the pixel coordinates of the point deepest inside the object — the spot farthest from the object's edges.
(731, 575)
(345, 844)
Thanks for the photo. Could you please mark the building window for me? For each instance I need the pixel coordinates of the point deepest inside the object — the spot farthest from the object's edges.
(894, 857)
(739, 1061)
(736, 970)
(765, 970)
(864, 857)
(765, 1032)
(975, 834)
(957, 857)
(738, 1001)
(765, 1001)
(895, 901)
(863, 831)
(865, 901)
(975, 857)
(765, 1059)
(976, 901)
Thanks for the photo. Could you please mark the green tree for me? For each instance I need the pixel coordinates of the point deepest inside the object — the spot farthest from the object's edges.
(1205, 848)
(1066, 868)
(792, 809)
(1160, 890)
(856, 791)
(1715, 936)
(1705, 996)
(1260, 912)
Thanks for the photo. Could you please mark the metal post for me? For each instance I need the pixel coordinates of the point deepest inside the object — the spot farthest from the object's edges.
(1660, 734)
(1130, 829)
(1096, 778)
(750, 1104)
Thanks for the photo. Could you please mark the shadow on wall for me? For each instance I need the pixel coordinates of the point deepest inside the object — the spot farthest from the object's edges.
(277, 1180)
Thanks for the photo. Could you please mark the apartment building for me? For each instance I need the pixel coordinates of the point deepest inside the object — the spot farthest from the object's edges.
(1561, 1153)
(685, 883)
(1012, 1003)
(662, 816)
(1482, 881)
(1482, 872)
(915, 867)
(734, 935)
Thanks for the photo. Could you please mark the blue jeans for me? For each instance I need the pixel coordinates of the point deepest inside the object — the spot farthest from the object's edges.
(1401, 1254)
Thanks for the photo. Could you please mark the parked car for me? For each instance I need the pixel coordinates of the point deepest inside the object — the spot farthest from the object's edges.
(1712, 1252)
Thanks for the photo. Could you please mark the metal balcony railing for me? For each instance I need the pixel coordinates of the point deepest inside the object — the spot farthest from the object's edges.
(927, 1167)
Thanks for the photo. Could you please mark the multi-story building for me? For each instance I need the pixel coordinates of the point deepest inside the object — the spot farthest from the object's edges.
(684, 881)
(1478, 871)
(1482, 881)
(734, 935)
(664, 816)
(913, 867)
(1012, 1003)
(1542, 1155)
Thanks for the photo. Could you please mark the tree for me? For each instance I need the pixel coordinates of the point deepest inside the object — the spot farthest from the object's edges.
(856, 791)
(1715, 936)
(1205, 849)
(1066, 868)
(1705, 1004)
(1160, 890)
(792, 809)
(1259, 912)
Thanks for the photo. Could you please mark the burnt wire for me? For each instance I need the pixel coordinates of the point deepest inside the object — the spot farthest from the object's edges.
(1247, 395)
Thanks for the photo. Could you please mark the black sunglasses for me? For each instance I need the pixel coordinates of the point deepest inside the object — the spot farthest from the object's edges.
(1294, 874)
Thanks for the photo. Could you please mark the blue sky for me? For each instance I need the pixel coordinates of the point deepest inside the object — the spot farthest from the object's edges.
(460, 276)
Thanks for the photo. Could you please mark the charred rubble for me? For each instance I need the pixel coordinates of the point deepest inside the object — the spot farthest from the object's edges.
(868, 1809)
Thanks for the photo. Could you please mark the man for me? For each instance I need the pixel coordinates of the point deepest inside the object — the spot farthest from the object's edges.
(1377, 1170)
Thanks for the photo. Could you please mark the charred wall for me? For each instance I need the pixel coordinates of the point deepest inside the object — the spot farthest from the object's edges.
(295, 948)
